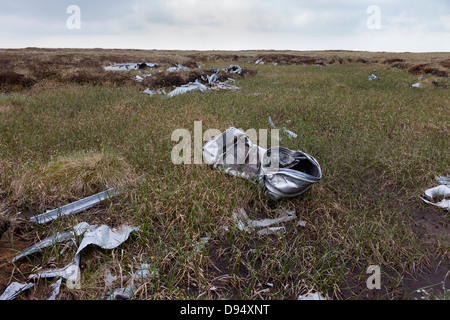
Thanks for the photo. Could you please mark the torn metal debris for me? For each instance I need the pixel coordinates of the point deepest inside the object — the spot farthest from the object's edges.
(64, 236)
(289, 133)
(139, 78)
(373, 77)
(281, 172)
(14, 289)
(148, 91)
(140, 277)
(55, 289)
(75, 207)
(102, 236)
(444, 180)
(259, 61)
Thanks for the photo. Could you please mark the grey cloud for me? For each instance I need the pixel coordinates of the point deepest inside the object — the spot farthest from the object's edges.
(201, 21)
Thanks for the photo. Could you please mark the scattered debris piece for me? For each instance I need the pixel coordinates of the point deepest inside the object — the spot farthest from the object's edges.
(139, 78)
(272, 230)
(418, 84)
(14, 289)
(148, 91)
(140, 277)
(75, 207)
(284, 129)
(212, 79)
(214, 70)
(259, 61)
(373, 77)
(201, 243)
(311, 296)
(177, 67)
(438, 196)
(286, 216)
(71, 272)
(223, 86)
(280, 171)
(244, 223)
(234, 69)
(444, 180)
(301, 223)
(55, 289)
(4, 220)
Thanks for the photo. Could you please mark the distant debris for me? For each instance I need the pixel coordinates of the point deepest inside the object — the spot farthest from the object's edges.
(129, 66)
(177, 67)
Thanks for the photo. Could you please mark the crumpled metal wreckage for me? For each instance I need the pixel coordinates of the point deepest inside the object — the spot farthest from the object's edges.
(213, 81)
(234, 69)
(281, 172)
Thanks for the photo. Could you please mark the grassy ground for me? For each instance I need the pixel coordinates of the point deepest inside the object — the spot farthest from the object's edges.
(380, 144)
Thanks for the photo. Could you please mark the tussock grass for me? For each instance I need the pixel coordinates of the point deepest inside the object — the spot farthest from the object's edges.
(69, 178)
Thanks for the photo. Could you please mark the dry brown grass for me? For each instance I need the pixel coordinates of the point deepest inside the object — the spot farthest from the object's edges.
(12, 81)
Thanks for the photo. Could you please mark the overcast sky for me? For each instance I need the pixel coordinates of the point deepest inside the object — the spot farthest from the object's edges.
(384, 25)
